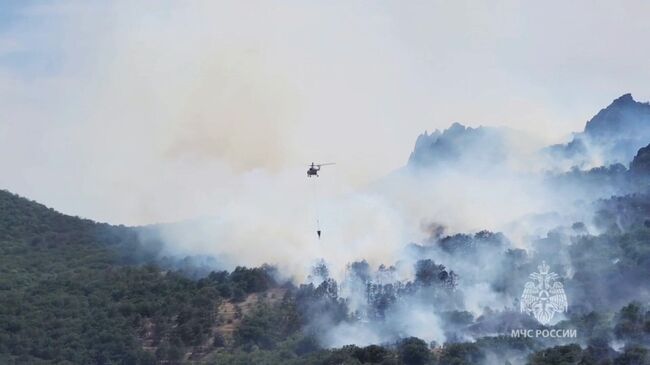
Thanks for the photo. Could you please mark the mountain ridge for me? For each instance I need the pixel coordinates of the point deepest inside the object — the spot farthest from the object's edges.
(613, 135)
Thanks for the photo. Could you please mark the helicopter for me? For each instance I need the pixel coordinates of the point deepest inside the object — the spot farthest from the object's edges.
(314, 168)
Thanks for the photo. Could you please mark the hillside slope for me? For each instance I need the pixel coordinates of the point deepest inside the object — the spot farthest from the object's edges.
(71, 292)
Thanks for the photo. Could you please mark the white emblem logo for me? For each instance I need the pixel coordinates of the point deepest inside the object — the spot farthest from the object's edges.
(543, 296)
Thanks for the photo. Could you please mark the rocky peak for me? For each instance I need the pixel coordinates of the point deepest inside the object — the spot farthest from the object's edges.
(624, 116)
(624, 99)
(460, 144)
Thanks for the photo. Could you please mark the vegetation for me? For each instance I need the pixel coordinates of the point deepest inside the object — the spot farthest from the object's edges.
(70, 293)
(73, 291)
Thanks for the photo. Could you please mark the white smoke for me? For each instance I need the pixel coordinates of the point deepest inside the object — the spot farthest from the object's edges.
(214, 110)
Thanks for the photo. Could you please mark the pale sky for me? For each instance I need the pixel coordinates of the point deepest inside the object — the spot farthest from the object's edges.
(139, 112)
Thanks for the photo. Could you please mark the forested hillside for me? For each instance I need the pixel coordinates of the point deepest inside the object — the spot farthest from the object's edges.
(76, 292)
(73, 291)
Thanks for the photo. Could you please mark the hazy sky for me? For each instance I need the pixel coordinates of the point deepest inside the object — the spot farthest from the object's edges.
(157, 111)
